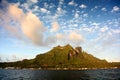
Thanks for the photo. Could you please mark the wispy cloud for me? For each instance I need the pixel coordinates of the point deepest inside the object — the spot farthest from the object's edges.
(103, 9)
(103, 29)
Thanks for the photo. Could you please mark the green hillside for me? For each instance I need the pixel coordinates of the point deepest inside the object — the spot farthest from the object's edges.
(62, 57)
(66, 56)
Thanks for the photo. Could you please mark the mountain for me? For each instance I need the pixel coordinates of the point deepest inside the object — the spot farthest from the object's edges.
(62, 57)
(67, 56)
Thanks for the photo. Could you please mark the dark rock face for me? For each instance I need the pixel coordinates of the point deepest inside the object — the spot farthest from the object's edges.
(78, 49)
(75, 52)
(71, 54)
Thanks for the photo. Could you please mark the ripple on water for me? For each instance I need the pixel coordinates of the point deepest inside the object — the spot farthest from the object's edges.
(108, 74)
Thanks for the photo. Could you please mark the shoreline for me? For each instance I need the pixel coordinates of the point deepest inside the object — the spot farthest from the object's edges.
(18, 68)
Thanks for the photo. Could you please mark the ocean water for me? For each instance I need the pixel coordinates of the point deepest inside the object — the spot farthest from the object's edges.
(104, 74)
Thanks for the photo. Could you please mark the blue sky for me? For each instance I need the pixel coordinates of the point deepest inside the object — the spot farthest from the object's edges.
(31, 27)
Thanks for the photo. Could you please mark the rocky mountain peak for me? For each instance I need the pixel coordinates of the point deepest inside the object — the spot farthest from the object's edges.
(78, 49)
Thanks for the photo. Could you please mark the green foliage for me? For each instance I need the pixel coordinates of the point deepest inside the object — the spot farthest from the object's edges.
(58, 58)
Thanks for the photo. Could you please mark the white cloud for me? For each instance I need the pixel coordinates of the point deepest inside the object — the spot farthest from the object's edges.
(30, 2)
(43, 10)
(93, 27)
(104, 9)
(25, 6)
(85, 15)
(59, 12)
(72, 3)
(95, 24)
(76, 15)
(83, 6)
(103, 29)
(46, 5)
(106, 41)
(51, 5)
(55, 26)
(115, 8)
(117, 31)
(94, 8)
(59, 9)
(34, 1)
(36, 8)
(86, 29)
(61, 2)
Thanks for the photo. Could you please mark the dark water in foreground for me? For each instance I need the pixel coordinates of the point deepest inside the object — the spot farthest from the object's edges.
(105, 74)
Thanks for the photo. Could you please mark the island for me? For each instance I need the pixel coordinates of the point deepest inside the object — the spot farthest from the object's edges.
(62, 58)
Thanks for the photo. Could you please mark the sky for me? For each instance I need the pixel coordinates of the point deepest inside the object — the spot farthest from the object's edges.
(31, 27)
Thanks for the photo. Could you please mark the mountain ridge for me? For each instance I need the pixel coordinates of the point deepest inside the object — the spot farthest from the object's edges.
(62, 57)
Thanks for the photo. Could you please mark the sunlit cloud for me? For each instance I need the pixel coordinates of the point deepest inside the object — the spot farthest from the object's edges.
(33, 31)
(55, 26)
(73, 38)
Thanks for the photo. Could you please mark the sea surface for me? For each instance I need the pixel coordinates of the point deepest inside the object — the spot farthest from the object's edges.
(26, 74)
